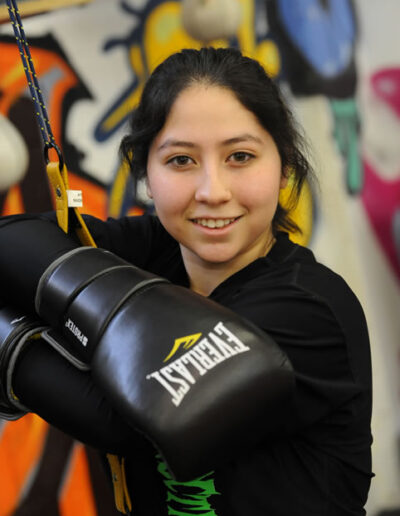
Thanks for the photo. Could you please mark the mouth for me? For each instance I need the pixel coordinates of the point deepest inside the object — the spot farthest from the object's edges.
(214, 223)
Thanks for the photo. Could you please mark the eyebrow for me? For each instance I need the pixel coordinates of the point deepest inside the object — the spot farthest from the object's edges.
(171, 142)
(242, 138)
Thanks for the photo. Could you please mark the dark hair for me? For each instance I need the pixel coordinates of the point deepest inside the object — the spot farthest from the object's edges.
(247, 79)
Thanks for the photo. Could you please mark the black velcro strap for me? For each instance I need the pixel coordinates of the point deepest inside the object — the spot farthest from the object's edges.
(64, 348)
(16, 329)
(82, 291)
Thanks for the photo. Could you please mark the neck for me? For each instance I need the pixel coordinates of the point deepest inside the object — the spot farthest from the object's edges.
(205, 277)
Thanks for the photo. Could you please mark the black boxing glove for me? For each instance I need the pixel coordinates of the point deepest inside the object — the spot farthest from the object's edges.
(28, 245)
(66, 397)
(35, 378)
(193, 376)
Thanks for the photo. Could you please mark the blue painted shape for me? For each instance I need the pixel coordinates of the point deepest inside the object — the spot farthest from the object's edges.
(324, 35)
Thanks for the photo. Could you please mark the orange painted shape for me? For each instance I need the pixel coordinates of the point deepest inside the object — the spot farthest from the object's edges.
(76, 496)
(13, 81)
(21, 445)
(13, 203)
(135, 211)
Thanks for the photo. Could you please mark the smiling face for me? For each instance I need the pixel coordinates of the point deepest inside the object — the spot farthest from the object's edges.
(214, 174)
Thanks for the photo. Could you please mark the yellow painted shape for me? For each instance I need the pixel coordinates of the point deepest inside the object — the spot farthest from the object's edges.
(118, 190)
(12, 76)
(123, 109)
(246, 30)
(135, 58)
(301, 213)
(268, 55)
(164, 34)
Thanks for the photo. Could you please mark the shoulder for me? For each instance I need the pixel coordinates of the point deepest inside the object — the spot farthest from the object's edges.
(315, 281)
(112, 231)
(136, 239)
(306, 307)
(292, 272)
(142, 241)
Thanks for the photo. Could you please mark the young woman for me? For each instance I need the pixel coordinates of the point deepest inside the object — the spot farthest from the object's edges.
(215, 144)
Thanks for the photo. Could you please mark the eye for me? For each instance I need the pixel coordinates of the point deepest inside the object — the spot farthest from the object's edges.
(240, 157)
(180, 161)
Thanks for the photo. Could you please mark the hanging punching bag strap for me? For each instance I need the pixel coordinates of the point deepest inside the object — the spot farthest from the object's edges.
(121, 493)
(67, 201)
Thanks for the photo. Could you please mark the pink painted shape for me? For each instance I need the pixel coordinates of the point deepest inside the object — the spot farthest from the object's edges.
(381, 199)
(386, 86)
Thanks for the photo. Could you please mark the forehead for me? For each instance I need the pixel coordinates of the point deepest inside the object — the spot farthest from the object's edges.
(202, 111)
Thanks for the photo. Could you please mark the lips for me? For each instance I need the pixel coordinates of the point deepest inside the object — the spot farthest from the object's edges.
(214, 223)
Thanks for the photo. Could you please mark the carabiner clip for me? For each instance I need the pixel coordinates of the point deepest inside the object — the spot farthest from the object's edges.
(54, 146)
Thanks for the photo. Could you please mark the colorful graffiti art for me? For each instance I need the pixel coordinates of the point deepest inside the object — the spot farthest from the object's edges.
(61, 87)
(265, 31)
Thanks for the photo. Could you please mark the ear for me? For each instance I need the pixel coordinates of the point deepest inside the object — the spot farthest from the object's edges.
(148, 189)
(284, 179)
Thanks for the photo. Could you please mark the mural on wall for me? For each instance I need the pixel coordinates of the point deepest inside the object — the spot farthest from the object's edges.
(308, 47)
(61, 88)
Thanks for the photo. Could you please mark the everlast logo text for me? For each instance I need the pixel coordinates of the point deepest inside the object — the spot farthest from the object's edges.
(178, 376)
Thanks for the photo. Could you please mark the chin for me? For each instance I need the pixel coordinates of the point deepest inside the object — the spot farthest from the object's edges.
(216, 258)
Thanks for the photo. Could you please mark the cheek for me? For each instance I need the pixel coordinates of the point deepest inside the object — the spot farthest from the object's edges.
(169, 194)
(260, 192)
(156, 182)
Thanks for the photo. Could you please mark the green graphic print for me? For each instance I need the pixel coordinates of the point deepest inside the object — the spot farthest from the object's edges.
(188, 498)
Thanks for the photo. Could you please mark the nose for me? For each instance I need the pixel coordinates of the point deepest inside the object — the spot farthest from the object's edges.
(213, 186)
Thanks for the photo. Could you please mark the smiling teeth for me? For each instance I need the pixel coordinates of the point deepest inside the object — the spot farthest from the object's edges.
(214, 223)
